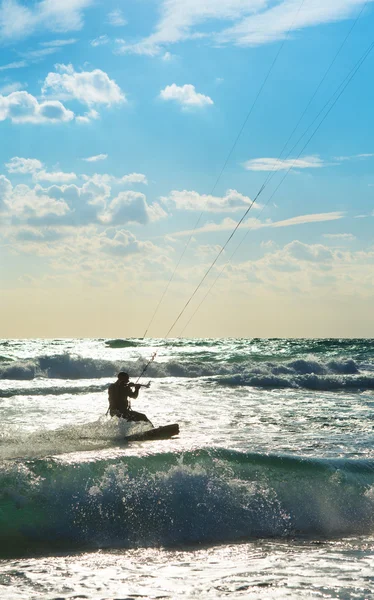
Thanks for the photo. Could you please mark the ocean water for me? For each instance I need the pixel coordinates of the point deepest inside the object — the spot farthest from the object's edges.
(268, 491)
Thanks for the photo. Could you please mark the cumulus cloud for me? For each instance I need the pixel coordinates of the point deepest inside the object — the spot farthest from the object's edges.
(22, 107)
(110, 179)
(88, 87)
(23, 165)
(134, 178)
(129, 207)
(89, 116)
(36, 234)
(185, 95)
(309, 252)
(69, 204)
(5, 191)
(26, 205)
(34, 167)
(191, 200)
(55, 177)
(121, 243)
(9, 88)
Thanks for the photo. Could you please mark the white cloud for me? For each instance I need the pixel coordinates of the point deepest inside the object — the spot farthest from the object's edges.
(344, 237)
(9, 88)
(59, 43)
(88, 87)
(274, 164)
(253, 223)
(19, 64)
(134, 178)
(273, 23)
(116, 18)
(238, 22)
(88, 117)
(226, 224)
(308, 252)
(29, 206)
(105, 178)
(96, 158)
(121, 243)
(5, 191)
(36, 55)
(22, 107)
(303, 219)
(54, 177)
(19, 21)
(191, 200)
(23, 165)
(167, 57)
(185, 95)
(100, 41)
(35, 168)
(129, 207)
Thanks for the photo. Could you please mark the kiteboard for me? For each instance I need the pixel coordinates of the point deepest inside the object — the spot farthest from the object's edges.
(157, 433)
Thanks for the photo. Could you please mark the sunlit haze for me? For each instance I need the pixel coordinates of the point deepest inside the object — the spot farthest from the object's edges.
(136, 135)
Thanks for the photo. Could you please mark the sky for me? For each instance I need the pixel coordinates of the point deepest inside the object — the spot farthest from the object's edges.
(137, 134)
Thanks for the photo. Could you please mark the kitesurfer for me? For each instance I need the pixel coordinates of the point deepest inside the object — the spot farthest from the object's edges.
(119, 394)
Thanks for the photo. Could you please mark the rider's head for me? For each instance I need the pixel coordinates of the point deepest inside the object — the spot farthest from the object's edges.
(122, 376)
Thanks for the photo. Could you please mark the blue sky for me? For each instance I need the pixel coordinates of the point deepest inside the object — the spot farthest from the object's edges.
(116, 120)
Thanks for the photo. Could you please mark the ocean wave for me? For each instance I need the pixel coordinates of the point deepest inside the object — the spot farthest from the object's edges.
(53, 390)
(308, 373)
(60, 366)
(200, 497)
(120, 343)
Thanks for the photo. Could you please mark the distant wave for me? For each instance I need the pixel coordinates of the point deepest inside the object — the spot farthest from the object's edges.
(308, 373)
(119, 343)
(52, 390)
(202, 497)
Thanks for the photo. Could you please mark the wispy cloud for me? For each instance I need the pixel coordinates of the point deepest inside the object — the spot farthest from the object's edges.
(18, 21)
(238, 22)
(59, 43)
(190, 200)
(15, 86)
(35, 55)
(344, 237)
(96, 158)
(116, 18)
(18, 64)
(229, 224)
(304, 219)
(185, 95)
(100, 41)
(274, 164)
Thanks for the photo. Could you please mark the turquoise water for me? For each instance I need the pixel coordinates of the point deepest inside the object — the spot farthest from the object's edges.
(268, 491)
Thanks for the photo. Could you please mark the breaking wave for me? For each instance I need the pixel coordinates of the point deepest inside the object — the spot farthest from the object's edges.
(309, 373)
(205, 496)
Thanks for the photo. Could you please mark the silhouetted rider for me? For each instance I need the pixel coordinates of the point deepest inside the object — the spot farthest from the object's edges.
(119, 394)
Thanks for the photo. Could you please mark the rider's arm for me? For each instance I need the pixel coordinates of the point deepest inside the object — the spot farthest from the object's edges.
(133, 393)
